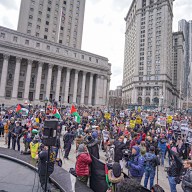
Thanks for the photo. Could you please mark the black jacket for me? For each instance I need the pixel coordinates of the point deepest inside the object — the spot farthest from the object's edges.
(93, 148)
(187, 181)
(119, 146)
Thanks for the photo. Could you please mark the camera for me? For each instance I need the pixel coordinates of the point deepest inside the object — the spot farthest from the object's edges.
(127, 155)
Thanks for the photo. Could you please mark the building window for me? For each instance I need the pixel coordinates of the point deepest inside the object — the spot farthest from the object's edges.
(61, 28)
(45, 36)
(8, 93)
(37, 44)
(29, 24)
(46, 29)
(64, 2)
(28, 31)
(40, 12)
(37, 34)
(42, 86)
(38, 26)
(41, 97)
(2, 35)
(39, 20)
(48, 9)
(60, 41)
(20, 83)
(20, 95)
(15, 39)
(89, 58)
(30, 16)
(48, 16)
(97, 61)
(47, 22)
(31, 85)
(48, 47)
(57, 50)
(26, 42)
(82, 56)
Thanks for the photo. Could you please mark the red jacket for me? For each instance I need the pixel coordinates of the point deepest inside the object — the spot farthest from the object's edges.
(82, 164)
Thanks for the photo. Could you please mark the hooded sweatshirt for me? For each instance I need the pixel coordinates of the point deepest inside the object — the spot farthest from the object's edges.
(136, 166)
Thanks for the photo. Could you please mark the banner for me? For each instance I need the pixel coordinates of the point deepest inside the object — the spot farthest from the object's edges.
(163, 122)
(97, 178)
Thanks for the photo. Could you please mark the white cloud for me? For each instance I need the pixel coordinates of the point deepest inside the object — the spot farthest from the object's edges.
(104, 27)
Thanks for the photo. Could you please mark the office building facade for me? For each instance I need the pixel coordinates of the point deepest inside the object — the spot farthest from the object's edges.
(147, 76)
(59, 21)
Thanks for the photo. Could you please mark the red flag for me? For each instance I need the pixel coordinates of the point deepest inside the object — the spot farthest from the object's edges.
(18, 109)
(73, 109)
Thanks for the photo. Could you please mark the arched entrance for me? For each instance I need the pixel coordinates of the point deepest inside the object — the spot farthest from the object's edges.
(156, 101)
(147, 101)
(139, 101)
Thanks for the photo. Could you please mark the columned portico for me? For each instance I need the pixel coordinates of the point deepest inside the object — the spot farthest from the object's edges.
(38, 81)
(16, 78)
(67, 86)
(97, 91)
(57, 92)
(4, 75)
(75, 86)
(90, 89)
(28, 79)
(48, 86)
(83, 88)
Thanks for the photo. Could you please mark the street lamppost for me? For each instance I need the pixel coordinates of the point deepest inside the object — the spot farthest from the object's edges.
(46, 101)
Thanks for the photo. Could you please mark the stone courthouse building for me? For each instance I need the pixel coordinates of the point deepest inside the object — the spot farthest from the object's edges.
(43, 58)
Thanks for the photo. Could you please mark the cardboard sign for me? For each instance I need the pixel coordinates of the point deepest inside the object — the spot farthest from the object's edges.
(132, 124)
(85, 114)
(107, 116)
(150, 118)
(163, 122)
(138, 120)
(169, 119)
(189, 137)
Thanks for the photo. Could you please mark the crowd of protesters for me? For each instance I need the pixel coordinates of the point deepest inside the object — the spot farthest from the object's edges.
(139, 143)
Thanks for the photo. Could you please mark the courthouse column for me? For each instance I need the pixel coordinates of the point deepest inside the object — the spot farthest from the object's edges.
(75, 86)
(97, 91)
(90, 89)
(16, 78)
(49, 76)
(57, 92)
(4, 75)
(38, 81)
(151, 95)
(83, 88)
(28, 79)
(67, 85)
(104, 91)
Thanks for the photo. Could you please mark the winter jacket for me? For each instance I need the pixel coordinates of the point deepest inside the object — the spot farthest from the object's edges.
(119, 146)
(93, 148)
(82, 164)
(136, 165)
(162, 145)
(187, 181)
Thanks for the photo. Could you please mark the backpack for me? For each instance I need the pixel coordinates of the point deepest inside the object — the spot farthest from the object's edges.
(149, 161)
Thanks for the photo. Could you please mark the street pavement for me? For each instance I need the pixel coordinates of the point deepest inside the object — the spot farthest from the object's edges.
(67, 164)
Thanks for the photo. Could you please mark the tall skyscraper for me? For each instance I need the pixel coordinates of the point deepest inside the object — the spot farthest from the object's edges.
(178, 66)
(60, 21)
(186, 28)
(147, 77)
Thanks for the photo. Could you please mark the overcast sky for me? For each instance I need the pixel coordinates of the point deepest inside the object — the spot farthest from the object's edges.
(104, 27)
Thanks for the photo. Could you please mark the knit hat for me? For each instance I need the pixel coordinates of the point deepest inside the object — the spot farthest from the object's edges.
(116, 169)
(81, 149)
(152, 148)
(94, 135)
(137, 149)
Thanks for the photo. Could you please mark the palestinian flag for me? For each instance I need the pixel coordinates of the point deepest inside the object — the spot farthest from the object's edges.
(18, 109)
(56, 113)
(75, 114)
(106, 176)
